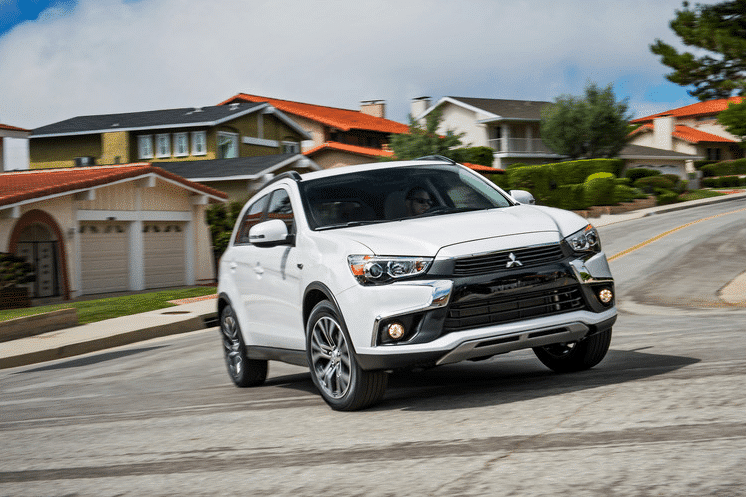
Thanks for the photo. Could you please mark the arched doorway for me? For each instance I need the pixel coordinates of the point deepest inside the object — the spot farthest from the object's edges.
(37, 238)
(38, 245)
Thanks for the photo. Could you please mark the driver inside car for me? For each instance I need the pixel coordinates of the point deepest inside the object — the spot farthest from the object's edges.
(417, 201)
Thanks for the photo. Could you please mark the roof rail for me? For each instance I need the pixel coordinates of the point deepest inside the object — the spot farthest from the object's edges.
(440, 158)
(293, 175)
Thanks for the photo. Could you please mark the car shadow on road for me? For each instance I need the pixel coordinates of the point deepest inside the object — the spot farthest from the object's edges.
(506, 379)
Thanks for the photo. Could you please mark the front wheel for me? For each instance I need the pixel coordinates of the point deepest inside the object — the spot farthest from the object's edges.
(575, 356)
(334, 369)
(243, 371)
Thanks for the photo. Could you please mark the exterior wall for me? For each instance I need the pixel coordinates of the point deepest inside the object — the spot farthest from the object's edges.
(313, 128)
(327, 159)
(665, 166)
(461, 120)
(164, 196)
(115, 148)
(62, 151)
(14, 153)
(204, 267)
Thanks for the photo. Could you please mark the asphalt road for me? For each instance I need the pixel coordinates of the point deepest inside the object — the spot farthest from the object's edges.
(664, 414)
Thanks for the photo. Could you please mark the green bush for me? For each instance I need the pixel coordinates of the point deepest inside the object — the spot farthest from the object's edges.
(571, 197)
(221, 218)
(599, 189)
(625, 193)
(515, 165)
(649, 183)
(725, 168)
(14, 270)
(640, 172)
(699, 163)
(477, 155)
(727, 181)
(667, 197)
(502, 180)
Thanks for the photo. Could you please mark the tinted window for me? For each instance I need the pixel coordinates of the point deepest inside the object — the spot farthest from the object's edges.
(280, 208)
(253, 216)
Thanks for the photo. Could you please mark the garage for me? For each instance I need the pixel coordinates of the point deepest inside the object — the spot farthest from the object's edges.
(104, 268)
(165, 254)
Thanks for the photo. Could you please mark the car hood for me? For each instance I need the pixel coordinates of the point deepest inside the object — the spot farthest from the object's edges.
(465, 231)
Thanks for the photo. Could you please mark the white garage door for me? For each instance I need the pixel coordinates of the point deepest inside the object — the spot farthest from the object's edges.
(104, 257)
(165, 254)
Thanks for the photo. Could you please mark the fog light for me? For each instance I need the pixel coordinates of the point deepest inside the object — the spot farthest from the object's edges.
(396, 330)
(605, 296)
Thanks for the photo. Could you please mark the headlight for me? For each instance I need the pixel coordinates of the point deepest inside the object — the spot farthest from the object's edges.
(376, 270)
(585, 240)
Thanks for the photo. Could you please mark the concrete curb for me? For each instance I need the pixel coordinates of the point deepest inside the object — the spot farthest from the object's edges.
(90, 338)
(26, 326)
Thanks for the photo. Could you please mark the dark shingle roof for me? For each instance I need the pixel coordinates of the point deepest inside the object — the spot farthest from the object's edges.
(508, 109)
(638, 151)
(154, 119)
(240, 167)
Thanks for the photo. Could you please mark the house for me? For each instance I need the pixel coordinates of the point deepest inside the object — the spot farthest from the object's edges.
(692, 129)
(509, 127)
(14, 149)
(241, 129)
(241, 176)
(338, 137)
(103, 229)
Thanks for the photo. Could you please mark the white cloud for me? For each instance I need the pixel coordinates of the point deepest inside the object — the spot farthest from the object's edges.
(106, 56)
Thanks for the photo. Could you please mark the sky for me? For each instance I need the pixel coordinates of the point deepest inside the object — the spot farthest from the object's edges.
(65, 58)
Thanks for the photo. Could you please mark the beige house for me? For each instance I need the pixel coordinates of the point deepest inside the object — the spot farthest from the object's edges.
(14, 149)
(107, 229)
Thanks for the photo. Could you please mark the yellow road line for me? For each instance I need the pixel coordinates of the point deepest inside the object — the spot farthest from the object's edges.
(658, 237)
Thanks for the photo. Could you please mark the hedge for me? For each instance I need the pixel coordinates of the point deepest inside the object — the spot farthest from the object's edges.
(726, 168)
(723, 182)
(640, 172)
(599, 189)
(649, 183)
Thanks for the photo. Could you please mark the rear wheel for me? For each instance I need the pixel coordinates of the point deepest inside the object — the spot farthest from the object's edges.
(243, 371)
(575, 356)
(334, 369)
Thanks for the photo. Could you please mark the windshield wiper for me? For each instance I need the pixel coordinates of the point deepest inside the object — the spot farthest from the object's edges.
(350, 224)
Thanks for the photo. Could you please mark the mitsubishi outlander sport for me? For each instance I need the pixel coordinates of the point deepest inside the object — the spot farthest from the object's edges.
(361, 270)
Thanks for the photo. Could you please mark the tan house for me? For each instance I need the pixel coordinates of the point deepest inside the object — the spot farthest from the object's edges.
(692, 129)
(337, 137)
(104, 229)
(241, 129)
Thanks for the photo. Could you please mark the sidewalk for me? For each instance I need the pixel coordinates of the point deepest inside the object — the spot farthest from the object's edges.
(193, 314)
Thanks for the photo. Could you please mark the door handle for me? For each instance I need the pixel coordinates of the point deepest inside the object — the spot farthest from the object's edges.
(258, 269)
(233, 266)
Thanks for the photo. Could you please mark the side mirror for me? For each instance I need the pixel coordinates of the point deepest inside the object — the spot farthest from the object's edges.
(522, 196)
(270, 233)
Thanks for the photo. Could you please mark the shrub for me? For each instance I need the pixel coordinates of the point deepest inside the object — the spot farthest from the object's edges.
(14, 271)
(477, 155)
(640, 172)
(625, 193)
(699, 163)
(599, 189)
(502, 180)
(221, 218)
(571, 197)
(515, 165)
(727, 181)
(725, 168)
(709, 182)
(649, 183)
(667, 197)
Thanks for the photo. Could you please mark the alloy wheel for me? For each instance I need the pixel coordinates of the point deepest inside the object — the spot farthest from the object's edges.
(330, 356)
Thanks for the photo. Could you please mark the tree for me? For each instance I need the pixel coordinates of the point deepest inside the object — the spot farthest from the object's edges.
(589, 127)
(734, 120)
(425, 139)
(720, 31)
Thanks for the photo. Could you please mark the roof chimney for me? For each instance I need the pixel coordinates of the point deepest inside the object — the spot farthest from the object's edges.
(663, 128)
(419, 106)
(375, 108)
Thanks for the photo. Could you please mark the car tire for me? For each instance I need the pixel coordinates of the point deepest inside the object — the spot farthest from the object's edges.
(243, 371)
(334, 368)
(575, 356)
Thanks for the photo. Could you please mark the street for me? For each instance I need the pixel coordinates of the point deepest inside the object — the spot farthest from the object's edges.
(663, 414)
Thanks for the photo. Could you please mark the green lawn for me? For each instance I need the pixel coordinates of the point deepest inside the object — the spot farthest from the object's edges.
(90, 311)
(698, 194)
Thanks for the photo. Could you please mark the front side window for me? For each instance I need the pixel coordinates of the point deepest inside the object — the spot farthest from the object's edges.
(181, 145)
(227, 145)
(290, 148)
(145, 146)
(281, 208)
(252, 216)
(199, 143)
(163, 145)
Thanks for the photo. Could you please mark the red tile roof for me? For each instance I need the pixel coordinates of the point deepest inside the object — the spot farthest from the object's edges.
(342, 119)
(17, 186)
(13, 128)
(354, 149)
(698, 109)
(687, 133)
(483, 169)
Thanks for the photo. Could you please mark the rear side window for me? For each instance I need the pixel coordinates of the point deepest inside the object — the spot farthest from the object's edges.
(252, 216)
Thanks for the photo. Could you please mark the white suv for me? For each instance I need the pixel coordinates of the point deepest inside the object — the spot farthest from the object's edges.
(360, 270)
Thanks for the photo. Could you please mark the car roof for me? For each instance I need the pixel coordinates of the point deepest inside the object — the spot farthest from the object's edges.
(338, 171)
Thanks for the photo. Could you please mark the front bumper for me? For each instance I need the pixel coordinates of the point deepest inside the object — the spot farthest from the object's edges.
(457, 318)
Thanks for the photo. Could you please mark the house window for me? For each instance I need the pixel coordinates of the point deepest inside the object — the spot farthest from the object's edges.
(290, 148)
(163, 145)
(713, 154)
(199, 143)
(181, 145)
(145, 146)
(227, 145)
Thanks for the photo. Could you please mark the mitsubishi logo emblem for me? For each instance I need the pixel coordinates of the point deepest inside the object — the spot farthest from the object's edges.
(513, 261)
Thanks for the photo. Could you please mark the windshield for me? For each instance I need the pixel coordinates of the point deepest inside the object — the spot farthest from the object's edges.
(383, 195)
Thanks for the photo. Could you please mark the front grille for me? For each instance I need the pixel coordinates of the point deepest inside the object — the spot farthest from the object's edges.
(508, 308)
(523, 257)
